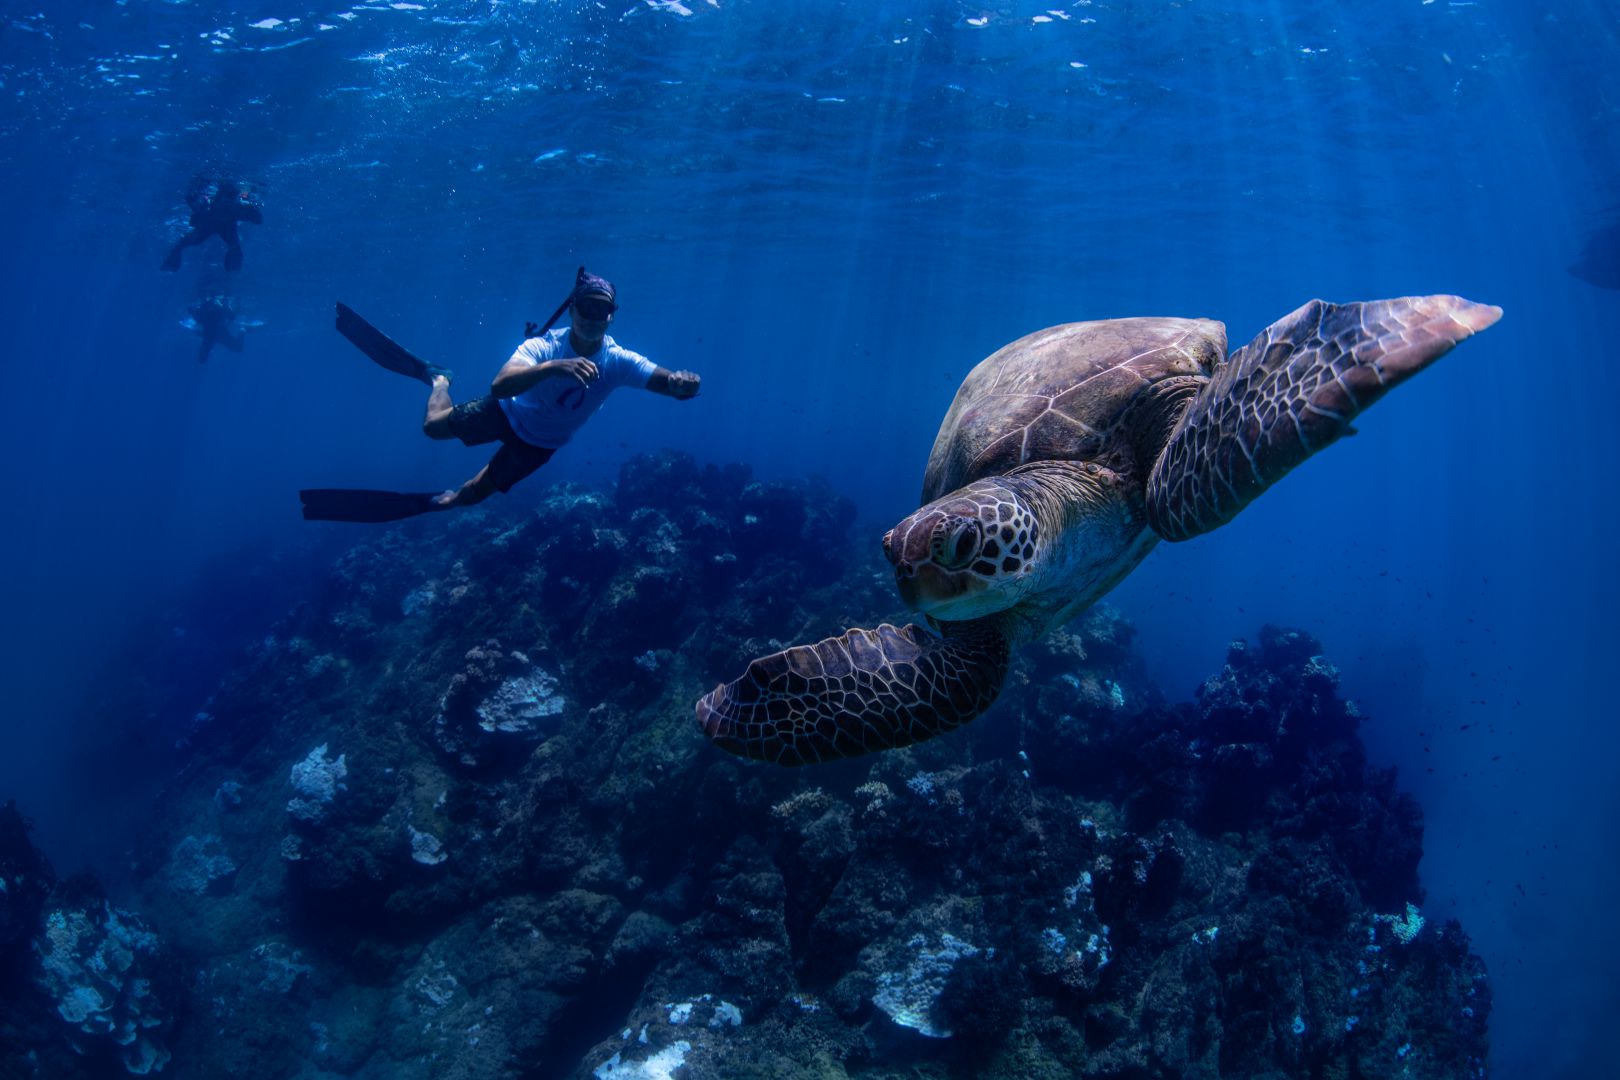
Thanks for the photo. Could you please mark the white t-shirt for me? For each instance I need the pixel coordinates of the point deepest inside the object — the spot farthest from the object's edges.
(549, 412)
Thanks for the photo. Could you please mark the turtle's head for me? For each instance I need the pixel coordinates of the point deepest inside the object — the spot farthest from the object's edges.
(969, 554)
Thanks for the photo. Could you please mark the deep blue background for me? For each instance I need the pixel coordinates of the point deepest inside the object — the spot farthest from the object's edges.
(832, 211)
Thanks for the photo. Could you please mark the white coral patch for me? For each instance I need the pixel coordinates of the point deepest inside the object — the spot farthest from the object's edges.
(426, 848)
(661, 1066)
(520, 702)
(909, 996)
(317, 780)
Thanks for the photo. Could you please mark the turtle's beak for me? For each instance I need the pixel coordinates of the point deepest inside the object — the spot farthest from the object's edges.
(904, 554)
(907, 584)
(927, 587)
(923, 583)
(905, 569)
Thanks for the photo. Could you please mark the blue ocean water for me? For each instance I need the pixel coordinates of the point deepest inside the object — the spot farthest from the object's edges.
(831, 211)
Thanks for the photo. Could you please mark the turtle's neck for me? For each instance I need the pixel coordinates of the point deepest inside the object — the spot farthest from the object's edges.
(1090, 538)
(1061, 493)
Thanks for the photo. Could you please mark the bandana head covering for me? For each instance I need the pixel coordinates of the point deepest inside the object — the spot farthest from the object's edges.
(585, 284)
(588, 284)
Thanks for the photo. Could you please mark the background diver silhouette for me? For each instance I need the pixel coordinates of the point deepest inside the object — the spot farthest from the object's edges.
(216, 208)
(216, 318)
(524, 411)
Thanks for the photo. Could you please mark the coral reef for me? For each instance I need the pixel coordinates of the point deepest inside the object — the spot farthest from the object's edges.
(201, 865)
(97, 965)
(497, 707)
(84, 985)
(453, 820)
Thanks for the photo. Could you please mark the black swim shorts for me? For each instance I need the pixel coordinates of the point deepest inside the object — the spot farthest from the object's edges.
(482, 420)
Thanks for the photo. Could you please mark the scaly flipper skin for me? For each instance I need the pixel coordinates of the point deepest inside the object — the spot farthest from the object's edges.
(864, 691)
(1289, 393)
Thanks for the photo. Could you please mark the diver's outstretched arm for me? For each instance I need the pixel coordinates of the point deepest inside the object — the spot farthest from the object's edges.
(680, 385)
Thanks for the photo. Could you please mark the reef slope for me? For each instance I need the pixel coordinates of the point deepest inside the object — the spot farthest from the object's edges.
(452, 819)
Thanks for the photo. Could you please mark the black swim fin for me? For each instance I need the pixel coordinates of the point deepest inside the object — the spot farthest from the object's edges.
(383, 349)
(358, 504)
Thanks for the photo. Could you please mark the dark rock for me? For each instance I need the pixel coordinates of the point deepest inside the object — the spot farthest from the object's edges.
(26, 879)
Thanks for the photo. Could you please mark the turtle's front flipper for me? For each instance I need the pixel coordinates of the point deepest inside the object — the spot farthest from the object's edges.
(866, 690)
(1290, 392)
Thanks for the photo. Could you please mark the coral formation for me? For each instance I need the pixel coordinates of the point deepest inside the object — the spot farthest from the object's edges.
(525, 862)
(910, 996)
(317, 779)
(201, 864)
(96, 964)
(499, 701)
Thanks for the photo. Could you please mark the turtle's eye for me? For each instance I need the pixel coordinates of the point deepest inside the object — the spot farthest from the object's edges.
(956, 543)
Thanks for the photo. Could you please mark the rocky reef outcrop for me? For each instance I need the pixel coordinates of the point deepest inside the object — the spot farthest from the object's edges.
(86, 984)
(452, 819)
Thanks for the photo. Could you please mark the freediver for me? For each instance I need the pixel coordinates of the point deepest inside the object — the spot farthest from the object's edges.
(547, 390)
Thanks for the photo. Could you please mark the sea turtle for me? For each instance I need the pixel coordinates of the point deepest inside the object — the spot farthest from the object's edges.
(1065, 457)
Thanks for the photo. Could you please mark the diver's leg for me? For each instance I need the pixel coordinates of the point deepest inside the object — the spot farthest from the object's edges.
(233, 246)
(171, 261)
(436, 423)
(474, 491)
(515, 460)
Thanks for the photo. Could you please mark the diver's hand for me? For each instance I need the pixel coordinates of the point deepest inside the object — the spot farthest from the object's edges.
(684, 384)
(581, 370)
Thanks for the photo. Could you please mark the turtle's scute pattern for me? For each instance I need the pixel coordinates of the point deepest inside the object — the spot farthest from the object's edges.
(1060, 394)
(865, 691)
(1290, 392)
